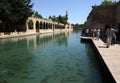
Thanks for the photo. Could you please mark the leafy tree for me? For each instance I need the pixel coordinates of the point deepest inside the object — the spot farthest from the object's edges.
(14, 13)
(59, 19)
(50, 17)
(30, 24)
(77, 25)
(64, 20)
(54, 18)
(36, 14)
(108, 2)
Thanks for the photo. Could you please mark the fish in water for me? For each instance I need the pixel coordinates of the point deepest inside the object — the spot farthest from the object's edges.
(28, 58)
(59, 63)
(56, 75)
(72, 77)
(31, 78)
(72, 80)
(77, 64)
(81, 74)
(59, 59)
(69, 68)
(43, 70)
(4, 71)
(24, 77)
(28, 71)
(11, 74)
(69, 79)
(3, 81)
(47, 77)
(45, 80)
(60, 66)
(63, 80)
(79, 70)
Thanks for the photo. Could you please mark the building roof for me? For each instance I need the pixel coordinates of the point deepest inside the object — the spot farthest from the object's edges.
(101, 7)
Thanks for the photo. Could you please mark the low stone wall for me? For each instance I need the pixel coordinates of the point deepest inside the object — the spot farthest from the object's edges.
(29, 32)
(46, 31)
(14, 34)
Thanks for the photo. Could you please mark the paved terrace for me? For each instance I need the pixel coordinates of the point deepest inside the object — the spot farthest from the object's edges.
(111, 57)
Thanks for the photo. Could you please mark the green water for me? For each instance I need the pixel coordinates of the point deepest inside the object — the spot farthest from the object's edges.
(49, 58)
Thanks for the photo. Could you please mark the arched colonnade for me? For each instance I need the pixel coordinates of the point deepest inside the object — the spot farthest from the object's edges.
(38, 25)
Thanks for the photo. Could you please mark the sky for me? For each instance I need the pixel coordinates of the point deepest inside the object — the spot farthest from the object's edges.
(78, 10)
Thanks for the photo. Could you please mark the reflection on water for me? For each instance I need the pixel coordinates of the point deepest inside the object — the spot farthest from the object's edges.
(48, 58)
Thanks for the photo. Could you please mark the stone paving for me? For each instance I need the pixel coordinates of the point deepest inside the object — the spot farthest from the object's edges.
(111, 57)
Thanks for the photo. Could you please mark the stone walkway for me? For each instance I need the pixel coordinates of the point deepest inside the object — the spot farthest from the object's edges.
(111, 57)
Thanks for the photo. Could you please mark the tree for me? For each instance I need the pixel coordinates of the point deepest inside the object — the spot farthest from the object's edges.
(64, 20)
(36, 14)
(77, 25)
(50, 17)
(30, 24)
(108, 2)
(59, 19)
(14, 13)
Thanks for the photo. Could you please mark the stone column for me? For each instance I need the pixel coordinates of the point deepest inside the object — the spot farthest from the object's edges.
(43, 25)
(52, 26)
(34, 25)
(39, 25)
(27, 28)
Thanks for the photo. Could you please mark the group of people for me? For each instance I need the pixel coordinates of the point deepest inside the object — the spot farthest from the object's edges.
(110, 33)
(94, 33)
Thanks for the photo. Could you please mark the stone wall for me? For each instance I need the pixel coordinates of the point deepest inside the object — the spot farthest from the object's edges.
(118, 13)
(104, 15)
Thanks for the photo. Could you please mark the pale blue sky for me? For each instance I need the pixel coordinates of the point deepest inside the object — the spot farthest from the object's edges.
(78, 10)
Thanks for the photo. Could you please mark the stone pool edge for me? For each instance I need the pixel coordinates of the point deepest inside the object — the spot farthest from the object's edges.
(108, 59)
(108, 72)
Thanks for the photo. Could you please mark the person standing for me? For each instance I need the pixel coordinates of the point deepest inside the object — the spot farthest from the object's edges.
(87, 32)
(93, 32)
(113, 37)
(98, 34)
(109, 36)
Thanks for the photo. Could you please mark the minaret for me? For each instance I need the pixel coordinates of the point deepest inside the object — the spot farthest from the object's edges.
(66, 13)
(67, 16)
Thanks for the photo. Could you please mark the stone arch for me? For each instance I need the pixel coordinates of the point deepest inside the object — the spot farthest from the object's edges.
(37, 26)
(41, 25)
(50, 25)
(30, 24)
(47, 25)
(63, 26)
(53, 27)
(56, 26)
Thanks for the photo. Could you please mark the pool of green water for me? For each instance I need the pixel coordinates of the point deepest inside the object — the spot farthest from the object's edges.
(49, 58)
